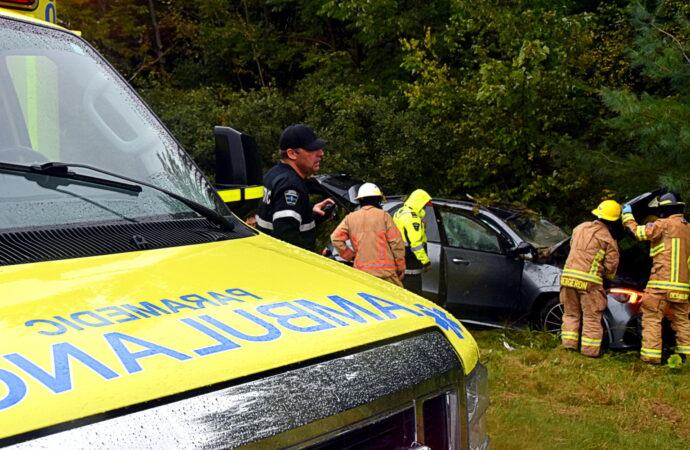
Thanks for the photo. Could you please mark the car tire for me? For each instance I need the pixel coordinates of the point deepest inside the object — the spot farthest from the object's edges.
(551, 316)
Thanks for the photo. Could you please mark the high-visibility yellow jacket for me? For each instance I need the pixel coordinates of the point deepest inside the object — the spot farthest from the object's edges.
(593, 256)
(409, 221)
(378, 247)
(670, 248)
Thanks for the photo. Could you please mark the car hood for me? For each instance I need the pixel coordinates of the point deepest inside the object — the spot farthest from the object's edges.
(151, 324)
(644, 206)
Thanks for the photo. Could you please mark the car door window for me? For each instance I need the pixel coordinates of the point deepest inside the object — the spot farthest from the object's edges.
(465, 232)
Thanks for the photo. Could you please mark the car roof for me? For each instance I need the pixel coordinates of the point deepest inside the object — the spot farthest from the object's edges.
(344, 187)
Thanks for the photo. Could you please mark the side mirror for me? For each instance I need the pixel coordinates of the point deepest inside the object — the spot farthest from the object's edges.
(238, 170)
(524, 249)
(237, 159)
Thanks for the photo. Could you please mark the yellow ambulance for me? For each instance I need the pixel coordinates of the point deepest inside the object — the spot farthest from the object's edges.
(137, 312)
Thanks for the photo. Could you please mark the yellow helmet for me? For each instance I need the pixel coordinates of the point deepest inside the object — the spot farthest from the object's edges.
(608, 210)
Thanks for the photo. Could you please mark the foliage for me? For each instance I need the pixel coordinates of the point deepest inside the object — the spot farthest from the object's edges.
(507, 81)
(647, 143)
(553, 104)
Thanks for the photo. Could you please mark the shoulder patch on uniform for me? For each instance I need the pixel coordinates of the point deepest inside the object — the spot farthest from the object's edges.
(416, 226)
(291, 197)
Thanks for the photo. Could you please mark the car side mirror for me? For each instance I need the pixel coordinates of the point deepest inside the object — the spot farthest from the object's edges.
(524, 250)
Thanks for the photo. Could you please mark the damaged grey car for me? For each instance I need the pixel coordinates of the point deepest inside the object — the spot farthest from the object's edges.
(500, 265)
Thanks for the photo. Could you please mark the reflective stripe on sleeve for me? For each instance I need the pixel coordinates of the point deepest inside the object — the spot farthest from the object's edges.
(641, 233)
(265, 224)
(283, 214)
(392, 234)
(307, 226)
(656, 250)
(287, 213)
(627, 216)
(418, 247)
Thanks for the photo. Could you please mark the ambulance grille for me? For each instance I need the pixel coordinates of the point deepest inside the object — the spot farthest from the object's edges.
(30, 246)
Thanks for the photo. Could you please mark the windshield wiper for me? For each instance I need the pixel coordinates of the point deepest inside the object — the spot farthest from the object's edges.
(61, 170)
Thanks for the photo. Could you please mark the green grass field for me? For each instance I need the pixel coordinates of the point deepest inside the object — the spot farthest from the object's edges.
(545, 397)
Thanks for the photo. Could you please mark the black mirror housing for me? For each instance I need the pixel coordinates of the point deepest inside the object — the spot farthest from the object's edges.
(237, 159)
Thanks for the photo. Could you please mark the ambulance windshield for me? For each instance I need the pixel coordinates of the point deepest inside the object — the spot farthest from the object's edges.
(59, 101)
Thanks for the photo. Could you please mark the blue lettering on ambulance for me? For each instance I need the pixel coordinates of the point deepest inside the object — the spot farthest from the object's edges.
(100, 320)
(129, 359)
(297, 313)
(67, 322)
(175, 306)
(386, 306)
(442, 320)
(59, 328)
(117, 311)
(147, 309)
(347, 310)
(50, 13)
(198, 300)
(62, 380)
(223, 299)
(241, 293)
(16, 389)
(224, 344)
(272, 332)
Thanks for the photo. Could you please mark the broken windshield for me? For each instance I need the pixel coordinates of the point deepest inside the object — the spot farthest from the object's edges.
(535, 230)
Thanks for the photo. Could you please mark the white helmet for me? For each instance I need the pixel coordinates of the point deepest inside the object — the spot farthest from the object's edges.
(368, 190)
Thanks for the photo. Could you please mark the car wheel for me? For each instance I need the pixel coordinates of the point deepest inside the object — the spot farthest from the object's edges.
(551, 316)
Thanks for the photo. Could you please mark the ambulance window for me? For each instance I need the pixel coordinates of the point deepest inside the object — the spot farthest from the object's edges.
(63, 102)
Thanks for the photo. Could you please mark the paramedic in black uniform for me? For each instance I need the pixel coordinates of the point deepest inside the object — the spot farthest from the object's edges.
(285, 211)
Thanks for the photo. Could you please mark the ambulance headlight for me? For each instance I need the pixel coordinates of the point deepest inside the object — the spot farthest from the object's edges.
(477, 389)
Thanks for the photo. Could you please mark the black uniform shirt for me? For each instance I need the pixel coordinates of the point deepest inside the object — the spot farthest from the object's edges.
(285, 211)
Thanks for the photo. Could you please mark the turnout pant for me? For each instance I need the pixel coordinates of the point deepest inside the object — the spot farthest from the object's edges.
(582, 308)
(393, 279)
(654, 304)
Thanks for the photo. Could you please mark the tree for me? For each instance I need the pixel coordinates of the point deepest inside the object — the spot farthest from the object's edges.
(647, 143)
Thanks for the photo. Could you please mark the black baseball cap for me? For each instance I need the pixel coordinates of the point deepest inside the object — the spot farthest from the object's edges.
(300, 136)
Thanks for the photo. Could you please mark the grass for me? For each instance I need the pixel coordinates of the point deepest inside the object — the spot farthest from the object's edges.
(545, 397)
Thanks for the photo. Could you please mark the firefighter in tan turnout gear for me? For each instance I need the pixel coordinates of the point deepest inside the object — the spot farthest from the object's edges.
(377, 246)
(668, 285)
(593, 258)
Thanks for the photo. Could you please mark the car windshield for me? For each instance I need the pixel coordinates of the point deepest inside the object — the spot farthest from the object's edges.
(60, 101)
(535, 230)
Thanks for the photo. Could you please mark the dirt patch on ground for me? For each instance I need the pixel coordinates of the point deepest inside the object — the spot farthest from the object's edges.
(660, 410)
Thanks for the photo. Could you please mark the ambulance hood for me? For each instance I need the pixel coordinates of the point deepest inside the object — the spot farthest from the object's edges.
(151, 324)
